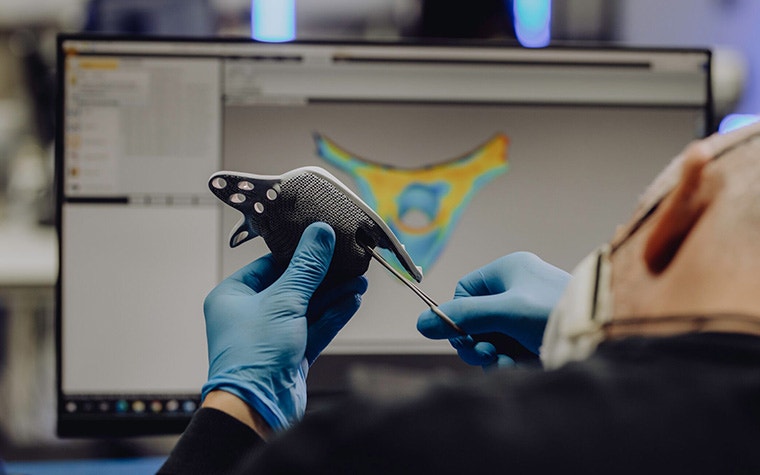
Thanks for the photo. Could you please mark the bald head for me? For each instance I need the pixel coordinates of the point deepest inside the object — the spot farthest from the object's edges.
(698, 250)
(738, 218)
(741, 142)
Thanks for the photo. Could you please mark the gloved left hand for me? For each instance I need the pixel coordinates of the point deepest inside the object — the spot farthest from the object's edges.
(260, 343)
(513, 295)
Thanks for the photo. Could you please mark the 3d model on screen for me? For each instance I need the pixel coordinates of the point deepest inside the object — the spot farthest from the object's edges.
(279, 208)
(421, 205)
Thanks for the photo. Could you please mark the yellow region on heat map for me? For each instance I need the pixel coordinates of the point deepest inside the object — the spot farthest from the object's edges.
(461, 177)
(422, 205)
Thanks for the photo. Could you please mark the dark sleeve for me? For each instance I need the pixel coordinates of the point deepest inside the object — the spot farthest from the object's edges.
(213, 442)
(639, 406)
(443, 429)
(594, 417)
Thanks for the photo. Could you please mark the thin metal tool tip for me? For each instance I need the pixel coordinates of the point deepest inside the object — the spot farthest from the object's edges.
(417, 291)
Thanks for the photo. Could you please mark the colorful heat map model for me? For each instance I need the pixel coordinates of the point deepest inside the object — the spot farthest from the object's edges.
(421, 205)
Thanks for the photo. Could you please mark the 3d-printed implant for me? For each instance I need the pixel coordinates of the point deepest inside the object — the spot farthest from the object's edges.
(279, 208)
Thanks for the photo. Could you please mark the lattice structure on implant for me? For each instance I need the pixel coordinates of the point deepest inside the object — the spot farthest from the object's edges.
(279, 208)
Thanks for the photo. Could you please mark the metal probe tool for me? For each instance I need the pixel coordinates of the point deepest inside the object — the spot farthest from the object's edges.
(420, 293)
(504, 344)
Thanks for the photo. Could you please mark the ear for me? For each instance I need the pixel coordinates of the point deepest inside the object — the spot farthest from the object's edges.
(679, 213)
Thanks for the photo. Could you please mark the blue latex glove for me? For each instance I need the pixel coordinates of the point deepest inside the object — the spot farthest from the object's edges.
(260, 343)
(513, 295)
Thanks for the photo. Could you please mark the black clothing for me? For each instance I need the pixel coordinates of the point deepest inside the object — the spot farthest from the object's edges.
(683, 404)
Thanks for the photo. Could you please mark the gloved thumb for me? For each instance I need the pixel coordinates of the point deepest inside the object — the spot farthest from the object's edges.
(310, 261)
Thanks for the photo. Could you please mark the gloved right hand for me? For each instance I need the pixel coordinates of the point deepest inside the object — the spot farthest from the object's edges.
(513, 295)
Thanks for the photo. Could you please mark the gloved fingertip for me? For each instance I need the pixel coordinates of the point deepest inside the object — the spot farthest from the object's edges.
(318, 238)
(461, 342)
(359, 285)
(504, 361)
(431, 326)
(473, 353)
(317, 228)
(500, 362)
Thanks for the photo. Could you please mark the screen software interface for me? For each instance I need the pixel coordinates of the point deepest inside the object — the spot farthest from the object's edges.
(468, 153)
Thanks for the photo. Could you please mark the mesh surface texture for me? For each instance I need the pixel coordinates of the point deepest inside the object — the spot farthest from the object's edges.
(302, 200)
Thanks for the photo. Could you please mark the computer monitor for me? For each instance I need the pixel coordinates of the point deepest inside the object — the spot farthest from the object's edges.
(483, 150)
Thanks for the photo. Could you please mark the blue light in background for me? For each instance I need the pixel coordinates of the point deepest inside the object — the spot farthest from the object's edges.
(736, 121)
(533, 22)
(273, 21)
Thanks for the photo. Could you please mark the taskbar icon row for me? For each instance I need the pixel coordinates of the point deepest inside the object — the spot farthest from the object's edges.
(131, 405)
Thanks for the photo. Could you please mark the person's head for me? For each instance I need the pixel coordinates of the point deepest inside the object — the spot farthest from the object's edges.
(686, 261)
(697, 252)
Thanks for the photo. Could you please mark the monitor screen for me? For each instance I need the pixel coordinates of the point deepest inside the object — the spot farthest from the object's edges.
(469, 152)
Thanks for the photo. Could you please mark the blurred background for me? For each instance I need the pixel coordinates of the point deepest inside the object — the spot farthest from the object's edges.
(28, 31)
